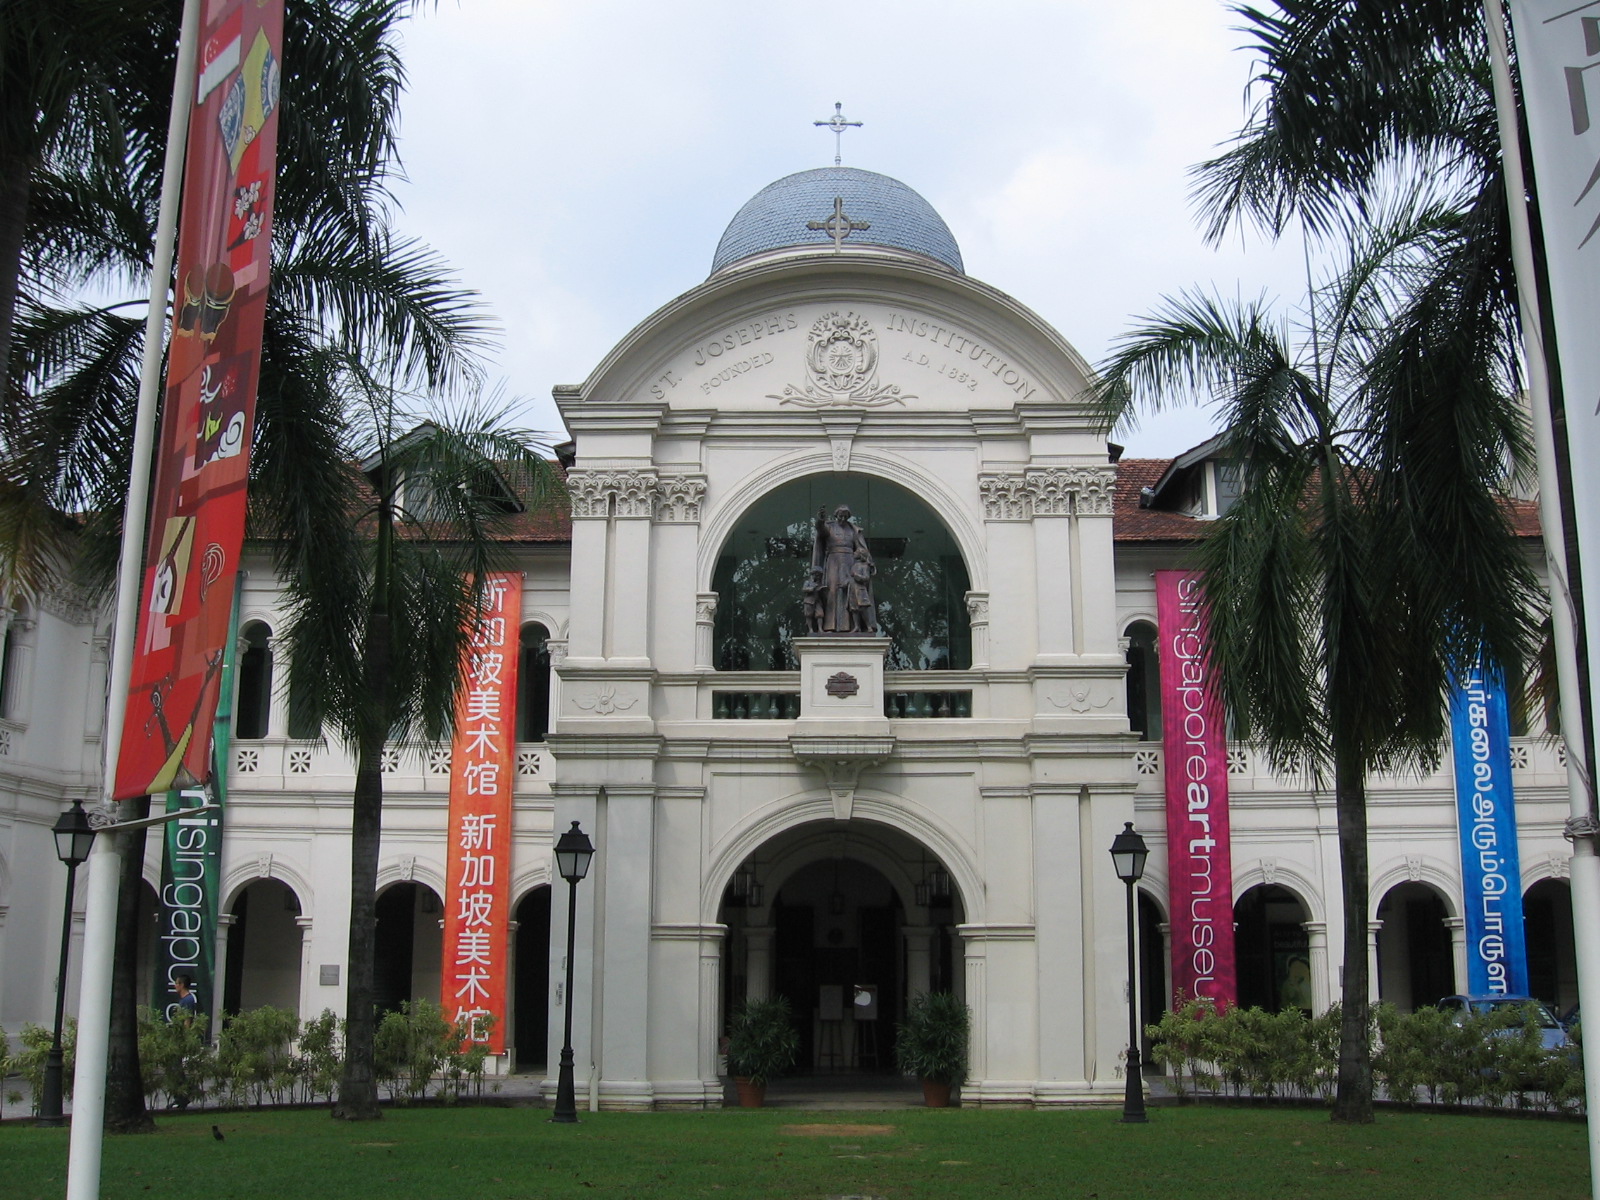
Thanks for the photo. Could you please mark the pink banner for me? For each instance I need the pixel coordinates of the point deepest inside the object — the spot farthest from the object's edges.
(1194, 739)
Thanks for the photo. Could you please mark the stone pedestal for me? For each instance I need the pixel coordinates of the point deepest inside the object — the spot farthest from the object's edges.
(841, 679)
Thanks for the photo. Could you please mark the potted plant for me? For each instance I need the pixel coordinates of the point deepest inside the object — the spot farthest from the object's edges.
(761, 1043)
(931, 1043)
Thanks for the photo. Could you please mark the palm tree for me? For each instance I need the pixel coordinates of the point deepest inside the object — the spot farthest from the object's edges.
(342, 280)
(380, 615)
(1370, 549)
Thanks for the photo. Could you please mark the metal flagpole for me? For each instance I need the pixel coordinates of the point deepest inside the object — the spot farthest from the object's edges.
(105, 862)
(1585, 864)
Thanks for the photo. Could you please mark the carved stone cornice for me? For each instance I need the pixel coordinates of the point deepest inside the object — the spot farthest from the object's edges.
(1047, 492)
(635, 494)
(1005, 496)
(678, 499)
(73, 604)
(841, 759)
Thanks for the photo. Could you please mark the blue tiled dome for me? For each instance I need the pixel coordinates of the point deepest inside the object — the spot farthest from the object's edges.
(775, 217)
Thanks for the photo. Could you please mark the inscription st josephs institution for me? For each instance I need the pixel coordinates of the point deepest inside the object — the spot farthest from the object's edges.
(840, 358)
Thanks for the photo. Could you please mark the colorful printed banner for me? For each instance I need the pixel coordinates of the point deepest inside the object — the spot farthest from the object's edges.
(1558, 58)
(197, 506)
(1491, 875)
(477, 932)
(191, 872)
(1195, 744)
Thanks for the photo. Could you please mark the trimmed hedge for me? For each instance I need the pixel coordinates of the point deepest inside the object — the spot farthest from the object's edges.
(1496, 1060)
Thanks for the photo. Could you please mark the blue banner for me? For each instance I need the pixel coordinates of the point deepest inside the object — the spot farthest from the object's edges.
(1491, 876)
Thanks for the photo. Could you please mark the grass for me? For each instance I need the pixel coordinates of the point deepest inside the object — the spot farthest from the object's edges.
(773, 1154)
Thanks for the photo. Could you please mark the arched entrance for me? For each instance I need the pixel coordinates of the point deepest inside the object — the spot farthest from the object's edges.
(1416, 966)
(409, 946)
(1552, 953)
(264, 942)
(1272, 949)
(530, 1019)
(847, 921)
(1154, 989)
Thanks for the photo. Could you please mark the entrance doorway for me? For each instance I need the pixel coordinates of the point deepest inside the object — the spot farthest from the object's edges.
(530, 1022)
(264, 944)
(1416, 967)
(1552, 951)
(409, 946)
(1272, 949)
(847, 923)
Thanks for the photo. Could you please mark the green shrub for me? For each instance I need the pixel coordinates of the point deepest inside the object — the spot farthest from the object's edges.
(931, 1043)
(320, 1059)
(30, 1062)
(176, 1058)
(762, 1041)
(411, 1047)
(255, 1058)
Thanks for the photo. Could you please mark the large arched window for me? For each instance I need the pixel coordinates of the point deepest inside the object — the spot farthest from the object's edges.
(254, 705)
(920, 587)
(533, 684)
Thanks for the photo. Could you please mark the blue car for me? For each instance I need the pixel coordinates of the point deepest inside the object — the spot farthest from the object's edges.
(1551, 1032)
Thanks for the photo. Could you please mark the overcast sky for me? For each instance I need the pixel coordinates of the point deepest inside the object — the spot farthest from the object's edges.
(577, 161)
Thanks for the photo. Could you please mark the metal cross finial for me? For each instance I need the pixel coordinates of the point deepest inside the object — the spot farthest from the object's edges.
(838, 124)
(838, 225)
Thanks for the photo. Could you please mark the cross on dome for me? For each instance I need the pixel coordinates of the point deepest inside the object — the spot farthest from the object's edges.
(838, 124)
(838, 226)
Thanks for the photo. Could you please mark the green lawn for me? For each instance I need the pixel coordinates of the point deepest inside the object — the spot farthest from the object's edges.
(497, 1153)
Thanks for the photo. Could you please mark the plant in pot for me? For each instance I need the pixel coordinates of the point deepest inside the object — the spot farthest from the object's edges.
(931, 1043)
(761, 1043)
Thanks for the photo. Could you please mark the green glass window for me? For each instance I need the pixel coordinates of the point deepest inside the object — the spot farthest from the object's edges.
(920, 587)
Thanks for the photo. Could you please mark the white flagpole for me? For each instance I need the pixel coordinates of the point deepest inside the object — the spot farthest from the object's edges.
(1585, 864)
(105, 862)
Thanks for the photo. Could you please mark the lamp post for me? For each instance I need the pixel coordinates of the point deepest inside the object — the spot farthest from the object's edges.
(74, 838)
(574, 851)
(1128, 852)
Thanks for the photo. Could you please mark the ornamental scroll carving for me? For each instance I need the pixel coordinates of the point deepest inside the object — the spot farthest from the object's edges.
(670, 499)
(1048, 492)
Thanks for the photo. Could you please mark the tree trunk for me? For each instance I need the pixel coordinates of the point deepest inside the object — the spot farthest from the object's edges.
(16, 179)
(358, 1086)
(1353, 1101)
(125, 1108)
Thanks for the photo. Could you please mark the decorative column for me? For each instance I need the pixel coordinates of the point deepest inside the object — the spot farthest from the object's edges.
(978, 615)
(1317, 952)
(919, 958)
(1372, 960)
(1458, 949)
(712, 940)
(18, 684)
(219, 974)
(304, 924)
(758, 961)
(705, 618)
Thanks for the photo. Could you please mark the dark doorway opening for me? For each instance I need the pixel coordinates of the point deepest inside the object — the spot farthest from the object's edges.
(1272, 949)
(531, 1020)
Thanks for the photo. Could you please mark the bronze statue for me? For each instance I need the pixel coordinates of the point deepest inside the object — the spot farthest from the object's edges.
(838, 590)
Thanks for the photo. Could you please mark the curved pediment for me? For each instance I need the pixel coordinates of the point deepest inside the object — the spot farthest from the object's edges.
(838, 334)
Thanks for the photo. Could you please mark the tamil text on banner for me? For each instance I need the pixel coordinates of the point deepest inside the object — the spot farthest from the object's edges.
(1195, 746)
(1491, 877)
(1558, 57)
(197, 506)
(477, 931)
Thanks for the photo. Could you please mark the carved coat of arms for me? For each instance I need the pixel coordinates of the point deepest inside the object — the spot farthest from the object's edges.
(841, 367)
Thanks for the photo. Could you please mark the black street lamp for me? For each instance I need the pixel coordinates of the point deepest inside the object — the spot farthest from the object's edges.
(74, 839)
(574, 851)
(1128, 852)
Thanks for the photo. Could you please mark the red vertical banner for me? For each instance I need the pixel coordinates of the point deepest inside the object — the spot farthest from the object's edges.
(1194, 742)
(197, 500)
(477, 911)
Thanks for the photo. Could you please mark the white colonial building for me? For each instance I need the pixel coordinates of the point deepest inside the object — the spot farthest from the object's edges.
(777, 813)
